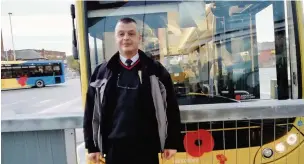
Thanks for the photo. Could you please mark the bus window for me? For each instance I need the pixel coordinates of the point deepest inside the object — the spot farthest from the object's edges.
(48, 70)
(33, 71)
(17, 72)
(40, 70)
(36, 71)
(25, 71)
(57, 70)
(6, 72)
(219, 52)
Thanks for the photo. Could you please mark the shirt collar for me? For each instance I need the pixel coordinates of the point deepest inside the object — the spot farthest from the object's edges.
(134, 59)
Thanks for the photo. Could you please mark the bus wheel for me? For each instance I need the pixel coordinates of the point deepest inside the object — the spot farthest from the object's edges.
(39, 83)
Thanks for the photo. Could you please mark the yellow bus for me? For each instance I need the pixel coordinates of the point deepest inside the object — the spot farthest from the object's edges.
(230, 52)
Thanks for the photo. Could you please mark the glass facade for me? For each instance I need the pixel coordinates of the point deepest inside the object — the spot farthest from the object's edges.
(222, 51)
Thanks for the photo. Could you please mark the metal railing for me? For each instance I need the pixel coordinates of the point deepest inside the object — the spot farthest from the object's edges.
(51, 138)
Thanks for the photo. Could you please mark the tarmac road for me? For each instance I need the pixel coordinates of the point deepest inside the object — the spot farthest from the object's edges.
(50, 99)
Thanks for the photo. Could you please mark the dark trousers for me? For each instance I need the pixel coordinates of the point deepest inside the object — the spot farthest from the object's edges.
(133, 151)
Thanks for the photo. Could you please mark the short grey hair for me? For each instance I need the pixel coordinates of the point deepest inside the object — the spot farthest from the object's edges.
(127, 20)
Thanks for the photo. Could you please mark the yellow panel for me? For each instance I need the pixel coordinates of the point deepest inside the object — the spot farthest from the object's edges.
(80, 19)
(277, 156)
(247, 155)
(301, 152)
(298, 124)
(81, 40)
(295, 157)
(233, 156)
(12, 62)
(11, 84)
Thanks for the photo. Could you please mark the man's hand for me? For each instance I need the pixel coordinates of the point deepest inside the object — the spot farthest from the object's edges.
(94, 157)
(168, 154)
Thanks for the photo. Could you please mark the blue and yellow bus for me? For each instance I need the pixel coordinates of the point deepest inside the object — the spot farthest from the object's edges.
(26, 74)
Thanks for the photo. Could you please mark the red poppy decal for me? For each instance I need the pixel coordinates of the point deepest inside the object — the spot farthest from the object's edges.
(22, 81)
(238, 97)
(221, 158)
(202, 136)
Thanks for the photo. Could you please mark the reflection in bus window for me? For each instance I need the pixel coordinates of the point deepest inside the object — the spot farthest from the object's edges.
(25, 71)
(33, 71)
(56, 69)
(48, 71)
(221, 50)
(40, 69)
(6, 72)
(17, 72)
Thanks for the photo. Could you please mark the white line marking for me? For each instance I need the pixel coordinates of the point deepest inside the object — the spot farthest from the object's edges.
(53, 108)
(44, 101)
(16, 102)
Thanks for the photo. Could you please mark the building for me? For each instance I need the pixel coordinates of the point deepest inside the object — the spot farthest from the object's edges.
(32, 54)
(52, 55)
(27, 54)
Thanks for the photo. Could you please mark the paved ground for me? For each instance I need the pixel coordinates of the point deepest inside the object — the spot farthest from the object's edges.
(58, 98)
(51, 99)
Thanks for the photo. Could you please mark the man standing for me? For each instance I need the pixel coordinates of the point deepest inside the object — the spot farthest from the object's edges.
(131, 111)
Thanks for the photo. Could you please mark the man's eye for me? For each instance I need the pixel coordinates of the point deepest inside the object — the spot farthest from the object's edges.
(121, 34)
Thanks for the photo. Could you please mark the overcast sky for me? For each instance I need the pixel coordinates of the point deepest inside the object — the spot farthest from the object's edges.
(47, 24)
(37, 24)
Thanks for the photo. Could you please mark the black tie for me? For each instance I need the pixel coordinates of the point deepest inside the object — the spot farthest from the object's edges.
(129, 62)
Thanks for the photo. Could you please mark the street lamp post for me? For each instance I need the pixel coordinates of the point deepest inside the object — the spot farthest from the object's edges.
(13, 43)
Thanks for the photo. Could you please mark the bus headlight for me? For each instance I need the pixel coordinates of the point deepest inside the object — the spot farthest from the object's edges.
(267, 153)
(292, 139)
(280, 147)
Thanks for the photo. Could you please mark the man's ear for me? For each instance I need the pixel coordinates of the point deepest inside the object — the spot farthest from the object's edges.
(140, 37)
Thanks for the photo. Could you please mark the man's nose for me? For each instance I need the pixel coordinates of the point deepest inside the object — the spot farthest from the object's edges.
(126, 36)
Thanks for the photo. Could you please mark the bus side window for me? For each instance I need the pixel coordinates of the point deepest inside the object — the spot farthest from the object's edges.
(32, 71)
(56, 69)
(39, 71)
(25, 71)
(6, 72)
(48, 71)
(16, 72)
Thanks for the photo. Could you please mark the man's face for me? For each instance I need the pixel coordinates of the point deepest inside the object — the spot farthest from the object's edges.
(127, 37)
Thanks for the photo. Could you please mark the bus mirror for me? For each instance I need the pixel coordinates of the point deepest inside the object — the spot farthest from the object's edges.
(73, 11)
(74, 39)
(75, 53)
